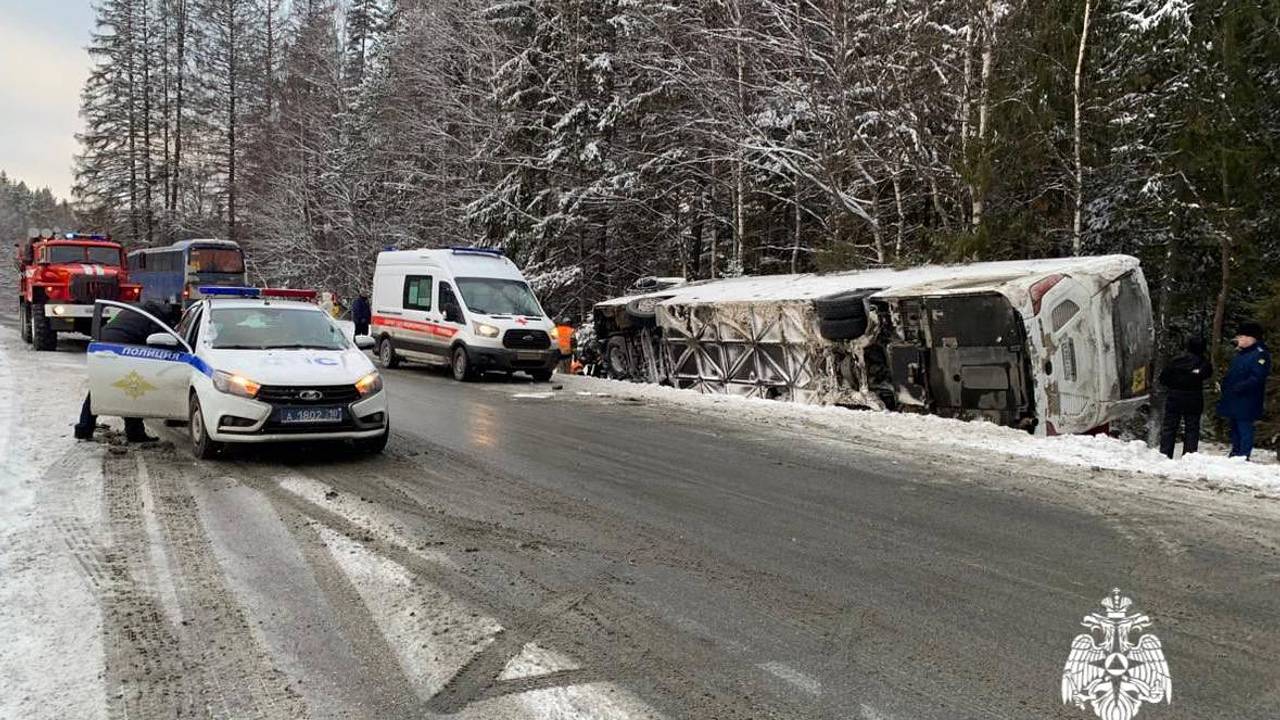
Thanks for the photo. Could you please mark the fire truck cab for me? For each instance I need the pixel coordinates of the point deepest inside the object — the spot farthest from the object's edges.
(60, 277)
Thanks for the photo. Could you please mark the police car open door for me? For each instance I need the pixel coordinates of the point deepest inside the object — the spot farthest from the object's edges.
(138, 380)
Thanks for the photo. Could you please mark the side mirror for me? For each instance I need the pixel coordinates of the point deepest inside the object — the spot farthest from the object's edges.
(364, 342)
(161, 339)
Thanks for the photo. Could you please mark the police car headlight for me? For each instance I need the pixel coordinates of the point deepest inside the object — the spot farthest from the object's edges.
(369, 384)
(486, 330)
(233, 384)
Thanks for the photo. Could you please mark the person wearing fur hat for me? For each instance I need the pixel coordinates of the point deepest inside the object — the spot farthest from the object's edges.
(1244, 387)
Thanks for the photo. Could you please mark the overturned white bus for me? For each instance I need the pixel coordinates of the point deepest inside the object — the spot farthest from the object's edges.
(1052, 346)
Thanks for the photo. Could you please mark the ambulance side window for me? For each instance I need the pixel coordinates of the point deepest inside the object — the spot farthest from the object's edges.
(417, 292)
(449, 303)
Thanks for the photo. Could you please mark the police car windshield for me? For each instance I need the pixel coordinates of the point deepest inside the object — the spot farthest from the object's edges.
(273, 328)
(490, 296)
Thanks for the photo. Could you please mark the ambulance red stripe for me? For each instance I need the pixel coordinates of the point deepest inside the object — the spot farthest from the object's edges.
(415, 326)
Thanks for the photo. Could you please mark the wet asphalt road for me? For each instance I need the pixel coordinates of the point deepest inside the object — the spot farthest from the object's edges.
(782, 574)
(710, 566)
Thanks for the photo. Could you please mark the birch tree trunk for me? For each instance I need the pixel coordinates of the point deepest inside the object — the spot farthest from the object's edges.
(739, 181)
(984, 98)
(1076, 241)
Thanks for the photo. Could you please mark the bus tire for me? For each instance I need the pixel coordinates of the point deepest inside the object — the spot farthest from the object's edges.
(43, 336)
(844, 329)
(842, 306)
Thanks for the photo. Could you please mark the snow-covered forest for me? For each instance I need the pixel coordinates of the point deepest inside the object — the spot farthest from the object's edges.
(23, 207)
(601, 140)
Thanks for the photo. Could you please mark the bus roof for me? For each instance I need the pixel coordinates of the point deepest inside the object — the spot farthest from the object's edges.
(184, 244)
(1006, 277)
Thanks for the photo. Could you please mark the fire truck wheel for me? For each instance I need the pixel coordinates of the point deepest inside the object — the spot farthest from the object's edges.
(202, 446)
(43, 336)
(24, 322)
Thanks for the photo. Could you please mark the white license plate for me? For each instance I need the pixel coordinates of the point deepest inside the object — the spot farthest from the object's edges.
(528, 355)
(291, 416)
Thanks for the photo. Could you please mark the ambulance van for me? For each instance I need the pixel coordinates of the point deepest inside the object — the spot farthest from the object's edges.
(468, 308)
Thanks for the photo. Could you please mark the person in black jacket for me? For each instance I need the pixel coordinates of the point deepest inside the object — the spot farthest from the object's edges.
(360, 314)
(1183, 380)
(126, 328)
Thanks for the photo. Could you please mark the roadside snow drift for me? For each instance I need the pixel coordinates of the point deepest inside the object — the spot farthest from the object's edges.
(1070, 450)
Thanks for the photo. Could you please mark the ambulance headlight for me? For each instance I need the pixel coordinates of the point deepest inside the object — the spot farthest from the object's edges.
(233, 384)
(369, 384)
(485, 330)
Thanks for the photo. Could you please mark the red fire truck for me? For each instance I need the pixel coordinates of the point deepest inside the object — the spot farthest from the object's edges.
(60, 276)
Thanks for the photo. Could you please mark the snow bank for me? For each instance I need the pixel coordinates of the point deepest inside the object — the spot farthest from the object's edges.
(1069, 450)
(50, 536)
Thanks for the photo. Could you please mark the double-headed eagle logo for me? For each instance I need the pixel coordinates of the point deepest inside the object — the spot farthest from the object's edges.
(1108, 672)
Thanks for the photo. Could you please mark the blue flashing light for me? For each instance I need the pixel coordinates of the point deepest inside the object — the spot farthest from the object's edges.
(492, 252)
(220, 291)
(83, 236)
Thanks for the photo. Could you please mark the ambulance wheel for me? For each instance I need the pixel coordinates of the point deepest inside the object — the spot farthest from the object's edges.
(461, 365)
(202, 446)
(43, 336)
(387, 354)
(24, 322)
(540, 375)
(374, 445)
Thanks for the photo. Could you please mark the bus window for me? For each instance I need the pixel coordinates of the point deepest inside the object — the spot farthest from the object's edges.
(215, 260)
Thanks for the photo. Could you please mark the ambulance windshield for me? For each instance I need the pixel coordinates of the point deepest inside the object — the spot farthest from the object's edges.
(490, 296)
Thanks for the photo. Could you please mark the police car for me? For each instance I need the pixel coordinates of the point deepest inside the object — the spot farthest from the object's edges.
(245, 365)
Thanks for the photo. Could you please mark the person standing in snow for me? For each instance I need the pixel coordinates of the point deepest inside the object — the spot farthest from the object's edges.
(1183, 380)
(1244, 387)
(361, 314)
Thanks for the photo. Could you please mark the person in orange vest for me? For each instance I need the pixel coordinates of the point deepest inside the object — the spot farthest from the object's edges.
(564, 338)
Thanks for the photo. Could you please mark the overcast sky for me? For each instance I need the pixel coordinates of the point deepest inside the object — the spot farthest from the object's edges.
(42, 65)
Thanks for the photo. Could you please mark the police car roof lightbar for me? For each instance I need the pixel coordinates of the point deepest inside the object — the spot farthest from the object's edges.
(289, 293)
(249, 292)
(222, 291)
(494, 252)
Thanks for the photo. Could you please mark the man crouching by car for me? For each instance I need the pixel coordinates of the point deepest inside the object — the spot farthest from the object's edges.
(127, 328)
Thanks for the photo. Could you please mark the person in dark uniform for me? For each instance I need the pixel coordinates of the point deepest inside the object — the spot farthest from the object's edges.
(1183, 380)
(361, 314)
(126, 328)
(1244, 388)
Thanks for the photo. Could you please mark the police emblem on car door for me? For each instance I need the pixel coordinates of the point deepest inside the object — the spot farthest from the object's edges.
(139, 380)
